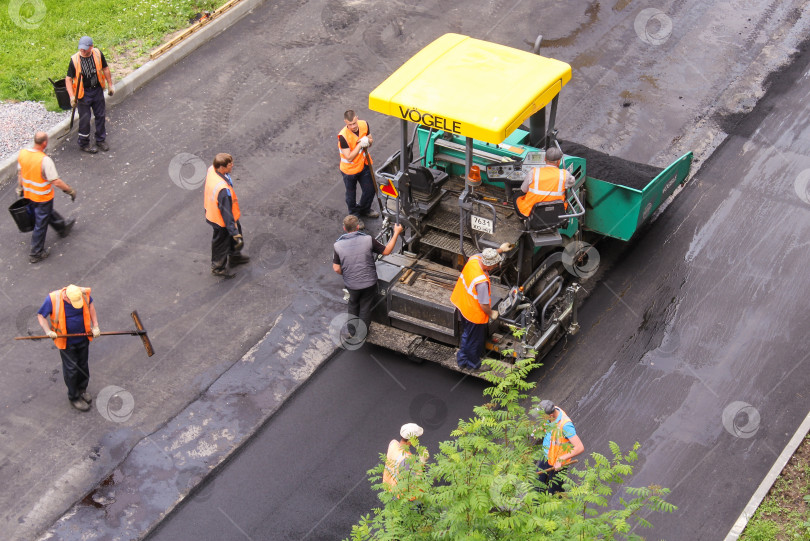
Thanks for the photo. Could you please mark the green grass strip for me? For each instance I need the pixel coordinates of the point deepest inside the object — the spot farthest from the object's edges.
(37, 37)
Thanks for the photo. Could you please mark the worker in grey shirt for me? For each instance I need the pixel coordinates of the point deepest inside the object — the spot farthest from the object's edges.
(354, 260)
(36, 180)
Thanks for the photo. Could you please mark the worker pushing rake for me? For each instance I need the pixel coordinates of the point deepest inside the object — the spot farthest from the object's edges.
(69, 318)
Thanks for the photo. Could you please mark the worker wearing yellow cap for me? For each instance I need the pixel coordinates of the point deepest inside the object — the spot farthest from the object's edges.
(70, 311)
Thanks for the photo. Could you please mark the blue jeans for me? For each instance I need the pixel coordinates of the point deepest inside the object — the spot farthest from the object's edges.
(92, 101)
(471, 348)
(44, 215)
(366, 195)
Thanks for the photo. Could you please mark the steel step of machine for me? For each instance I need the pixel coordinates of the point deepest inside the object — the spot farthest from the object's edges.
(445, 241)
(421, 325)
(418, 348)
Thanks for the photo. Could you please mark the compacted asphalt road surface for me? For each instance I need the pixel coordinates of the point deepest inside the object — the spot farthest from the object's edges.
(304, 475)
(694, 343)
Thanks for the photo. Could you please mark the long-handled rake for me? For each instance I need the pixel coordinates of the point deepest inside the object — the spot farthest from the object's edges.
(139, 331)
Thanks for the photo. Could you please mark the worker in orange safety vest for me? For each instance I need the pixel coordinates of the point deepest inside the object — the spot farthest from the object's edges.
(472, 297)
(87, 77)
(396, 459)
(560, 445)
(222, 213)
(36, 179)
(70, 310)
(546, 183)
(353, 140)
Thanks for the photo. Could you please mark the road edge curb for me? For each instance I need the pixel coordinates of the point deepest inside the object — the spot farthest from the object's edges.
(149, 71)
(770, 478)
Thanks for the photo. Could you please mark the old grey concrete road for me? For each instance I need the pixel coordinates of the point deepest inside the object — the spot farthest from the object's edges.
(303, 476)
(695, 343)
(272, 90)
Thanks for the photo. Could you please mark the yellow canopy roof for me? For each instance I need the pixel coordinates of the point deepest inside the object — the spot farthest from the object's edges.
(470, 87)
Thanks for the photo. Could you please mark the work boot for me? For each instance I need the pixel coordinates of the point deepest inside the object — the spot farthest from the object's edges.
(102, 145)
(86, 397)
(80, 404)
(238, 259)
(372, 214)
(223, 273)
(88, 149)
(40, 256)
(68, 226)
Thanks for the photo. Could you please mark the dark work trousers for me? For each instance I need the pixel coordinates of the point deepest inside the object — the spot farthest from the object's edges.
(93, 100)
(44, 215)
(471, 349)
(366, 191)
(361, 301)
(75, 368)
(222, 246)
(551, 479)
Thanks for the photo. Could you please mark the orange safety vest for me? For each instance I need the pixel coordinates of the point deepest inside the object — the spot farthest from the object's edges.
(77, 68)
(213, 184)
(465, 297)
(58, 323)
(355, 166)
(35, 187)
(394, 459)
(559, 443)
(547, 185)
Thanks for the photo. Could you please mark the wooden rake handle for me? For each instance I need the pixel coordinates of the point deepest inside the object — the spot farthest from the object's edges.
(564, 465)
(41, 337)
(139, 331)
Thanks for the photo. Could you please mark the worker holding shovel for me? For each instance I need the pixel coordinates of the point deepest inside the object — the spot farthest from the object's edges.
(87, 77)
(560, 445)
(70, 311)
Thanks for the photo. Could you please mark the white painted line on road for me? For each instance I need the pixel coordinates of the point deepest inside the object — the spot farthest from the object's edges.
(769, 480)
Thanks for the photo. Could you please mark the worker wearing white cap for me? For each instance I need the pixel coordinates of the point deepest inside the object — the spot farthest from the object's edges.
(66, 311)
(398, 452)
(472, 298)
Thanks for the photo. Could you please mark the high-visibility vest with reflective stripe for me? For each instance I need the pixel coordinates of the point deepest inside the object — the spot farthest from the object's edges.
(394, 460)
(548, 184)
(77, 68)
(213, 184)
(559, 443)
(465, 296)
(354, 166)
(58, 322)
(35, 187)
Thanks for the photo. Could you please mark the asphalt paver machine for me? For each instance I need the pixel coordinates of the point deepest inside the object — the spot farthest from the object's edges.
(453, 185)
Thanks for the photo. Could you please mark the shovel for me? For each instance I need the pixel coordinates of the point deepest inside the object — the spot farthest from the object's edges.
(374, 180)
(73, 109)
(551, 468)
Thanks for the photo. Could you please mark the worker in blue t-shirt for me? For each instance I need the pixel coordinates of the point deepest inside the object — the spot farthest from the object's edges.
(69, 311)
(560, 445)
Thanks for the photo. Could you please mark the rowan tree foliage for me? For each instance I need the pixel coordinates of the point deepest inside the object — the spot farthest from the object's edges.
(483, 483)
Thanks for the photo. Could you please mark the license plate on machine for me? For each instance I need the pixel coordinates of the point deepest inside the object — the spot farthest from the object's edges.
(482, 224)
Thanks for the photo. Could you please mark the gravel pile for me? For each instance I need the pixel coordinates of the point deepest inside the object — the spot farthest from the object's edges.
(19, 121)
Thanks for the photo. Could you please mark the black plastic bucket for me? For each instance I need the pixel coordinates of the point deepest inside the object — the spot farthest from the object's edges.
(62, 96)
(23, 218)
